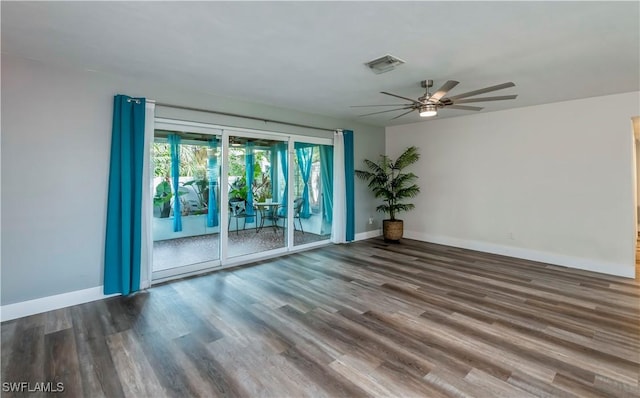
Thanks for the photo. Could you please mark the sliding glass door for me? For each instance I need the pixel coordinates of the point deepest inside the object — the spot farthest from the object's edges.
(224, 197)
(186, 201)
(313, 192)
(257, 191)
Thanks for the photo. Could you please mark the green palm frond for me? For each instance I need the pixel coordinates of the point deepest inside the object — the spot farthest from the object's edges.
(383, 208)
(402, 180)
(364, 175)
(408, 157)
(404, 207)
(408, 192)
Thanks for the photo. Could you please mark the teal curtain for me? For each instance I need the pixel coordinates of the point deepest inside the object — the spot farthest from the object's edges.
(248, 162)
(326, 174)
(349, 174)
(282, 154)
(273, 172)
(212, 165)
(123, 240)
(304, 162)
(174, 146)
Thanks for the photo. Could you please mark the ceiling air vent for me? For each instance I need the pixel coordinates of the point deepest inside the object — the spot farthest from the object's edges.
(384, 64)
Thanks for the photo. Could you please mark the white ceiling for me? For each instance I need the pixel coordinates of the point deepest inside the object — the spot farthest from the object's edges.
(309, 56)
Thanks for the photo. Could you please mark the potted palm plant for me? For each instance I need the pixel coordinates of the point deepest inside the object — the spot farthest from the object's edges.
(387, 181)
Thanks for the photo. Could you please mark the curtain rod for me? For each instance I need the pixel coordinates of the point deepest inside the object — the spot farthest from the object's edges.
(189, 108)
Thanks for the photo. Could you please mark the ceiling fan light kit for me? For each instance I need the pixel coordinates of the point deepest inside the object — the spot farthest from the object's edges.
(429, 104)
(428, 111)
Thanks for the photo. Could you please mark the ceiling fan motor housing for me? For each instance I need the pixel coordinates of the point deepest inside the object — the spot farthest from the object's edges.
(426, 83)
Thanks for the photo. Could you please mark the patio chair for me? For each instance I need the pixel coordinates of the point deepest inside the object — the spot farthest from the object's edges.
(297, 207)
(238, 210)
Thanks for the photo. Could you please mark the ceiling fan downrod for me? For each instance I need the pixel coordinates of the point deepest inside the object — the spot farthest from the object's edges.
(426, 84)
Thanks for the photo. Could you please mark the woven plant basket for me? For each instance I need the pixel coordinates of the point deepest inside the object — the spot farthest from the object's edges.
(392, 230)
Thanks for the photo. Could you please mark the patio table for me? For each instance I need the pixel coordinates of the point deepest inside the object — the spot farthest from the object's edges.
(268, 211)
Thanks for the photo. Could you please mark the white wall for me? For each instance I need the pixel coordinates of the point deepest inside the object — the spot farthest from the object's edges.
(637, 163)
(636, 133)
(56, 134)
(552, 183)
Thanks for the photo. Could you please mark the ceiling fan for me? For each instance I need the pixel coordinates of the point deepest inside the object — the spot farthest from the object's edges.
(428, 104)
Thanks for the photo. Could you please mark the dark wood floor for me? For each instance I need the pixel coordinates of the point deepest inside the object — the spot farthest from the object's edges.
(365, 319)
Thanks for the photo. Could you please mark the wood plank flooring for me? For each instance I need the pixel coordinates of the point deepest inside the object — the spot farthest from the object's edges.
(365, 319)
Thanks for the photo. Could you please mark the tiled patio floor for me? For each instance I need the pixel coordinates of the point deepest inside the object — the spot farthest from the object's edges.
(196, 249)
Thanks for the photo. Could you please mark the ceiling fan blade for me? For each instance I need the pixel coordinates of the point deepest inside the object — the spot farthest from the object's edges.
(483, 90)
(362, 106)
(498, 98)
(399, 96)
(465, 108)
(390, 110)
(402, 114)
(442, 91)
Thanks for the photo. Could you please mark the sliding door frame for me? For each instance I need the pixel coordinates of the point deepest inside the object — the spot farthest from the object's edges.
(224, 132)
(190, 269)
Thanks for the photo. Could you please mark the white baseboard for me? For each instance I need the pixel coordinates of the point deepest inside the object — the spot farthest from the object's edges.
(368, 234)
(43, 304)
(528, 254)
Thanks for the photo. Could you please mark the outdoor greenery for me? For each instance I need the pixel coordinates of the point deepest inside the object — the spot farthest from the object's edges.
(193, 160)
(162, 198)
(193, 163)
(388, 182)
(201, 189)
(193, 191)
(260, 187)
